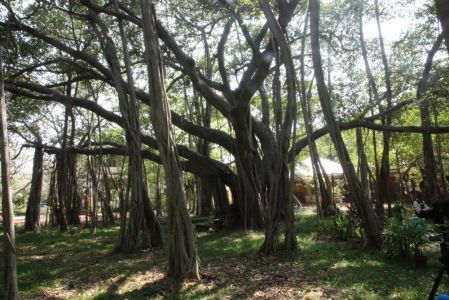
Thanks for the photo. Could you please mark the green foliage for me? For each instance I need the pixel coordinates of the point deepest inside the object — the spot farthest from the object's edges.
(347, 225)
(343, 226)
(406, 237)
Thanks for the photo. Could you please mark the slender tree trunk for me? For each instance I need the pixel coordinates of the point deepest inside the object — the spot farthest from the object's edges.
(441, 168)
(53, 196)
(73, 197)
(363, 161)
(182, 253)
(61, 169)
(108, 216)
(370, 220)
(324, 197)
(158, 192)
(384, 176)
(428, 154)
(9, 239)
(205, 113)
(95, 195)
(380, 181)
(32, 214)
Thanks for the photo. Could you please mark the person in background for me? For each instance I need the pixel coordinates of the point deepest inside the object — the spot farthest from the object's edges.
(422, 209)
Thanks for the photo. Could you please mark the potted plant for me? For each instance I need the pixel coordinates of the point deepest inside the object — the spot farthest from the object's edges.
(407, 237)
(419, 239)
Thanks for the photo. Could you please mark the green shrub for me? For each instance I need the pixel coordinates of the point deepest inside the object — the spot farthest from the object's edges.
(343, 226)
(406, 237)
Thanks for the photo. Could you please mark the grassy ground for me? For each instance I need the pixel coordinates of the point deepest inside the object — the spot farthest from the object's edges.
(77, 265)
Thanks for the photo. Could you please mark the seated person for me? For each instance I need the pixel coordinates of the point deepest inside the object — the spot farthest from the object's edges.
(422, 209)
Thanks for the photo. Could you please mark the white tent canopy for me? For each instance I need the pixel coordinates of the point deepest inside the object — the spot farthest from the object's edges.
(304, 168)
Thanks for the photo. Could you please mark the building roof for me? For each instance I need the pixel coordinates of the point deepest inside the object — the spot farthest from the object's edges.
(304, 168)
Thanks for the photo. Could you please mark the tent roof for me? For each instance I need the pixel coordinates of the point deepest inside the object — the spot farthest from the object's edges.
(304, 168)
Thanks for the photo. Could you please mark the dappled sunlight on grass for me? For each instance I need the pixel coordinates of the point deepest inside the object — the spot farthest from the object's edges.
(78, 265)
(232, 244)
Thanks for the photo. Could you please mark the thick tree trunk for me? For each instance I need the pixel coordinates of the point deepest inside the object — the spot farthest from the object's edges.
(221, 200)
(134, 233)
(205, 197)
(370, 220)
(443, 15)
(182, 253)
(32, 214)
(249, 199)
(280, 196)
(152, 223)
(9, 239)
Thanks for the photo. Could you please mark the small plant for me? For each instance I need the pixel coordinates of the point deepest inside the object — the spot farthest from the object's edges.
(406, 237)
(346, 226)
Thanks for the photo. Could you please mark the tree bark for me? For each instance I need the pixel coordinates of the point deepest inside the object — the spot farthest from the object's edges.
(9, 239)
(61, 192)
(384, 172)
(321, 181)
(443, 15)
(32, 215)
(370, 220)
(363, 161)
(428, 154)
(108, 217)
(182, 253)
(372, 87)
(158, 191)
(280, 196)
(134, 233)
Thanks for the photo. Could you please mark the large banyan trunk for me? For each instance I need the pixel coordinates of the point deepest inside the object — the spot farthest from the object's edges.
(279, 195)
(134, 231)
(33, 206)
(370, 221)
(9, 248)
(182, 253)
(249, 196)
